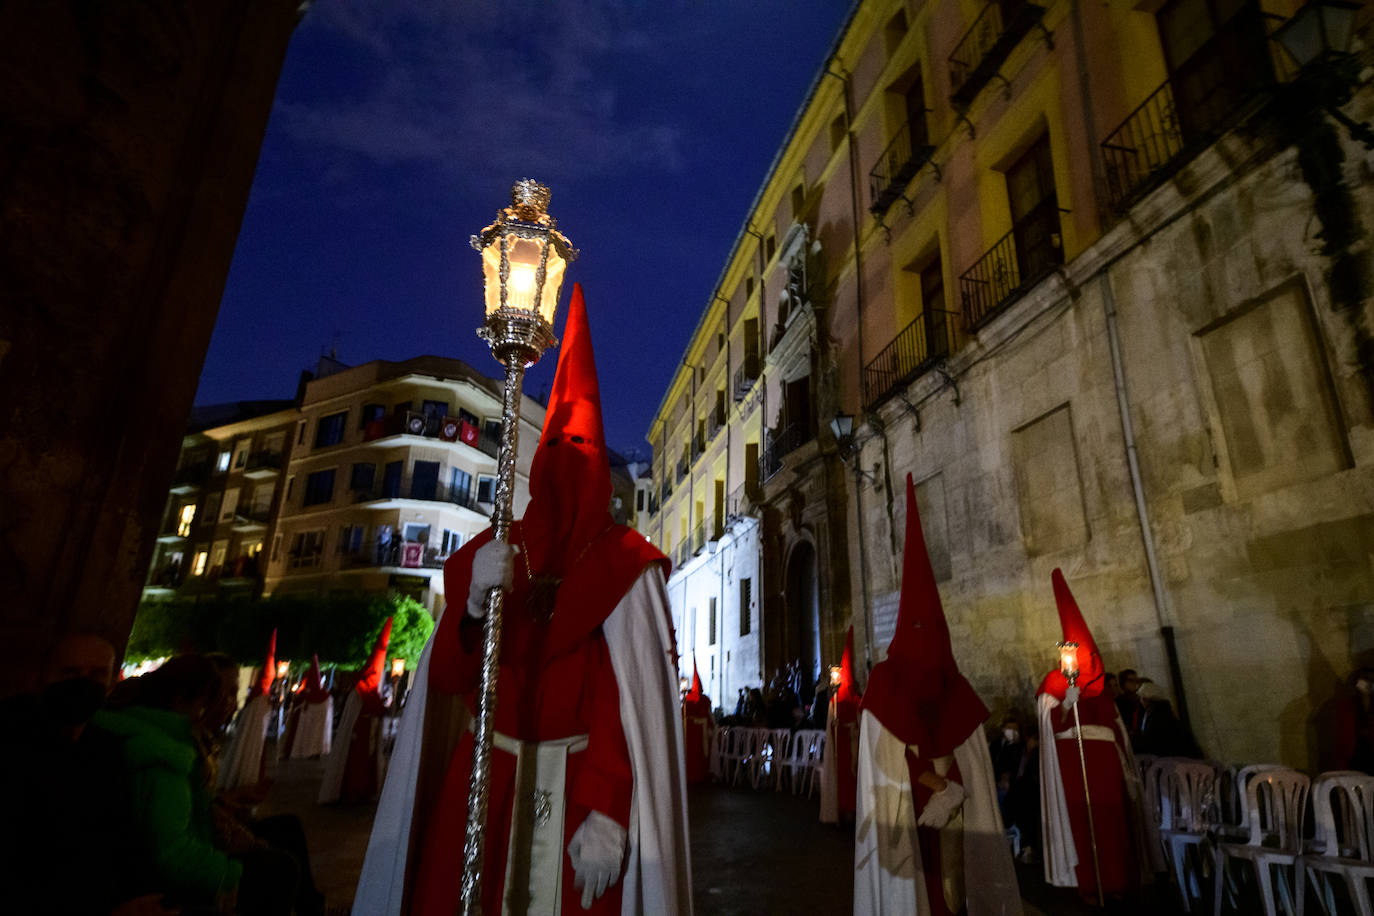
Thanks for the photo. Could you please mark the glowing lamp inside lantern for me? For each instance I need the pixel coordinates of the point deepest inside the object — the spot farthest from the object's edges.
(834, 675)
(1068, 659)
(398, 667)
(283, 668)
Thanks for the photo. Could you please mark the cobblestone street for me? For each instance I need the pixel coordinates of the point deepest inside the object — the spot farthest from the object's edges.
(753, 853)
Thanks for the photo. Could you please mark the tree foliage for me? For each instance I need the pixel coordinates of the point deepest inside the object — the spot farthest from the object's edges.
(340, 628)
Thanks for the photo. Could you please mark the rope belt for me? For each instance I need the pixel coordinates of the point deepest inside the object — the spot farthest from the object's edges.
(1090, 733)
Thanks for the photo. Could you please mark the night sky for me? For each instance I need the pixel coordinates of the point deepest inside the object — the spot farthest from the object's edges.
(399, 126)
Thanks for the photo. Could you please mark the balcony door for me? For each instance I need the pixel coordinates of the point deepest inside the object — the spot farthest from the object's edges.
(391, 479)
(1217, 56)
(424, 482)
(938, 331)
(1034, 213)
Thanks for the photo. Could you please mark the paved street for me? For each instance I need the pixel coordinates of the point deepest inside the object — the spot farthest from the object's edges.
(753, 853)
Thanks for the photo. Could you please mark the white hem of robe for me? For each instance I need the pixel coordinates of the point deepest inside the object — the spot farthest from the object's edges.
(888, 875)
(313, 730)
(240, 763)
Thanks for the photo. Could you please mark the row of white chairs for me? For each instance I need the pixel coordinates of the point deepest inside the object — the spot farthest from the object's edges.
(1206, 817)
(768, 756)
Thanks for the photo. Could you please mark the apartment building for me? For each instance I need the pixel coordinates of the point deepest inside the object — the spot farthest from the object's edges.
(1091, 274)
(393, 468)
(223, 500)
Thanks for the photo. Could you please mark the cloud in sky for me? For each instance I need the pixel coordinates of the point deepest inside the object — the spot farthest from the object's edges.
(477, 86)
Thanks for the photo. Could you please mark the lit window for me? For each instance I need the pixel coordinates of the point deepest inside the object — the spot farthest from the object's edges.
(223, 464)
(198, 567)
(184, 520)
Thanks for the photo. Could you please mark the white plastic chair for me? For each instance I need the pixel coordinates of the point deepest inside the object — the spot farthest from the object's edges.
(1344, 847)
(733, 756)
(1157, 817)
(798, 761)
(1186, 788)
(783, 739)
(813, 763)
(717, 756)
(750, 752)
(1276, 801)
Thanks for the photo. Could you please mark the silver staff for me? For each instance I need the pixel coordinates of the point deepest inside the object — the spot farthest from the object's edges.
(524, 257)
(1068, 664)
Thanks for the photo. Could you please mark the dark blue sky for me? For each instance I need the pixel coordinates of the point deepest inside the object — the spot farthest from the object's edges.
(400, 125)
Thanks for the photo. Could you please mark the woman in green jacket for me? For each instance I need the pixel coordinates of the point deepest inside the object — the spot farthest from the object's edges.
(169, 783)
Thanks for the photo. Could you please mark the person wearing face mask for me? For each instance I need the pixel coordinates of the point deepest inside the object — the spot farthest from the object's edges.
(928, 835)
(62, 849)
(587, 803)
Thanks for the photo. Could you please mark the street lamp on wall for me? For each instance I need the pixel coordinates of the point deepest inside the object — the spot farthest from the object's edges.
(1318, 37)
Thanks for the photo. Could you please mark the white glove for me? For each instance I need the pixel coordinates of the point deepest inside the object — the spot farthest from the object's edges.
(596, 850)
(1070, 698)
(492, 565)
(941, 806)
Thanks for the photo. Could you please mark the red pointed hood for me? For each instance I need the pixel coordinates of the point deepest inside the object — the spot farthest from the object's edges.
(371, 680)
(268, 674)
(695, 693)
(1091, 670)
(315, 691)
(917, 692)
(848, 691)
(570, 477)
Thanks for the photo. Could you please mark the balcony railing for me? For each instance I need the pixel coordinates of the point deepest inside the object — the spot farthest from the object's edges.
(422, 490)
(1211, 92)
(897, 165)
(1004, 272)
(684, 553)
(917, 347)
(745, 376)
(393, 554)
(681, 470)
(786, 442)
(395, 425)
(699, 442)
(263, 461)
(252, 516)
(699, 537)
(986, 45)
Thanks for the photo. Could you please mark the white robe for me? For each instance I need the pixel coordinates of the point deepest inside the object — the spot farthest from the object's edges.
(240, 763)
(331, 786)
(313, 730)
(888, 876)
(657, 874)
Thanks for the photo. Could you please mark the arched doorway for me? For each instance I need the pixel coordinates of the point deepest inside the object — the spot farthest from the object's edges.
(804, 614)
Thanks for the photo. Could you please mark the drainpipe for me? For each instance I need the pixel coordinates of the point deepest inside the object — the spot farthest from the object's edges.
(1166, 629)
(866, 610)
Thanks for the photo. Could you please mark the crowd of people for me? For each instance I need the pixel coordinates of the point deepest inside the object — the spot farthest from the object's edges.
(115, 788)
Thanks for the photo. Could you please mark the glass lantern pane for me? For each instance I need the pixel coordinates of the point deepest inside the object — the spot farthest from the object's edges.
(491, 273)
(524, 257)
(1302, 36)
(553, 282)
(1339, 22)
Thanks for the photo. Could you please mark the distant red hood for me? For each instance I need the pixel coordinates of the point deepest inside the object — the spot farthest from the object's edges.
(370, 682)
(268, 674)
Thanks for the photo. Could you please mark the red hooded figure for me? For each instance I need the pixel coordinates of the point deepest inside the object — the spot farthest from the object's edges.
(840, 765)
(267, 676)
(352, 773)
(586, 769)
(697, 727)
(1115, 802)
(242, 762)
(918, 709)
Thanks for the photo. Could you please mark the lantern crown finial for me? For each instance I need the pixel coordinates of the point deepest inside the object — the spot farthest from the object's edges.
(529, 199)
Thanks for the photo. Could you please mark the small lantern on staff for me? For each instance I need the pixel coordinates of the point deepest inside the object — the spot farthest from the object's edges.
(1068, 661)
(1068, 666)
(835, 675)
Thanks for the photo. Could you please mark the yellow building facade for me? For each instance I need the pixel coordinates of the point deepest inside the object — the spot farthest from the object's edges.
(1069, 266)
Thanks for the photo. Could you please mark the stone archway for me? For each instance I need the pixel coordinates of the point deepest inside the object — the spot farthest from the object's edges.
(802, 590)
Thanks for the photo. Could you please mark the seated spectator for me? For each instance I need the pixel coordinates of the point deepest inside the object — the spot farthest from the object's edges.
(1350, 745)
(1128, 702)
(1160, 733)
(67, 793)
(169, 779)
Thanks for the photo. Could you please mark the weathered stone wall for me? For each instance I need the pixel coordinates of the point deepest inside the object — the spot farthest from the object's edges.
(1250, 403)
(130, 136)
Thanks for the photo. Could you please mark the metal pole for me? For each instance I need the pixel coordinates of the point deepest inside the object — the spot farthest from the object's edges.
(479, 787)
(863, 561)
(1088, 802)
